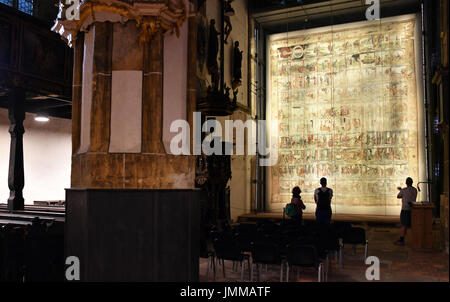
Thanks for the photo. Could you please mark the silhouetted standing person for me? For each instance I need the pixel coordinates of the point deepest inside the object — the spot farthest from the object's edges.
(408, 196)
(297, 201)
(322, 197)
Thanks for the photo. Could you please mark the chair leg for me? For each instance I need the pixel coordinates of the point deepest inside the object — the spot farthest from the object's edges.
(258, 271)
(287, 271)
(266, 268)
(341, 257)
(223, 268)
(319, 277)
(242, 270)
(281, 271)
(251, 272)
(214, 268)
(248, 264)
(366, 251)
(298, 273)
(207, 268)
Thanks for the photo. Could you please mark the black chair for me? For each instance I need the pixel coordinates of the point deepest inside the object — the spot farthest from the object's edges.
(244, 240)
(340, 228)
(327, 242)
(265, 252)
(55, 239)
(303, 255)
(226, 249)
(246, 228)
(354, 236)
(289, 236)
(37, 252)
(13, 253)
(268, 226)
(206, 254)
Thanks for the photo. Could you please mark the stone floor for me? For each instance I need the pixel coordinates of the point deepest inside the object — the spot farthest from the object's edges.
(397, 264)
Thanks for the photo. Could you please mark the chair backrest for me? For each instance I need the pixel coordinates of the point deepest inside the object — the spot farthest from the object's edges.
(327, 239)
(355, 236)
(268, 227)
(227, 249)
(223, 235)
(265, 252)
(244, 240)
(246, 228)
(341, 227)
(203, 249)
(302, 255)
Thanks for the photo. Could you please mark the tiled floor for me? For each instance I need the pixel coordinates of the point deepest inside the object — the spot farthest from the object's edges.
(397, 264)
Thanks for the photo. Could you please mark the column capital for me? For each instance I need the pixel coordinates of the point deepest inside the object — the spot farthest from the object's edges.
(151, 16)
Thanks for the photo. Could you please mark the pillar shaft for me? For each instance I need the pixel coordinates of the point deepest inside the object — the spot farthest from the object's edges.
(191, 102)
(152, 102)
(101, 88)
(16, 170)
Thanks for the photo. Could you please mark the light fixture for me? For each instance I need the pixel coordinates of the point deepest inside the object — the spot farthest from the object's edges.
(40, 117)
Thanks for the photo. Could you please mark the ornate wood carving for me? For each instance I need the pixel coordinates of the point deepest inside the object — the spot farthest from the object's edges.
(218, 101)
(212, 175)
(150, 16)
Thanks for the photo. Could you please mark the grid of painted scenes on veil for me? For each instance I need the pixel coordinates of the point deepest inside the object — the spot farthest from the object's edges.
(346, 103)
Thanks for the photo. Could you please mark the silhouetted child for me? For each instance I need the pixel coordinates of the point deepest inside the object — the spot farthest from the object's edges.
(297, 201)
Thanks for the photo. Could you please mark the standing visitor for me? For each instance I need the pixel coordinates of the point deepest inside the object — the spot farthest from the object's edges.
(322, 197)
(408, 196)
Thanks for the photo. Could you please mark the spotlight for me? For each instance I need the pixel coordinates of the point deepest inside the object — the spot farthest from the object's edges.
(40, 117)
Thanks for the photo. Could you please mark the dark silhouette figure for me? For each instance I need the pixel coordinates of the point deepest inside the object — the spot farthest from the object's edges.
(237, 66)
(322, 197)
(213, 50)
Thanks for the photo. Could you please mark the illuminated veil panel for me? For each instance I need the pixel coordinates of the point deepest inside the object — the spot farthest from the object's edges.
(346, 100)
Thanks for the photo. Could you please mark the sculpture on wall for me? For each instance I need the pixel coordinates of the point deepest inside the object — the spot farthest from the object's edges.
(213, 50)
(228, 12)
(202, 38)
(217, 101)
(227, 29)
(212, 175)
(237, 66)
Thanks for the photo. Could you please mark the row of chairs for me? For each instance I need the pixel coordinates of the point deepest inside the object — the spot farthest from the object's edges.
(32, 253)
(284, 245)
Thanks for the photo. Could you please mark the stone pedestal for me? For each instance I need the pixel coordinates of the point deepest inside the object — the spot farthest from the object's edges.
(134, 235)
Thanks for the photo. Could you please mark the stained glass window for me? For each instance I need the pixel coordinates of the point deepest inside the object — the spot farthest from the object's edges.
(26, 6)
(7, 2)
